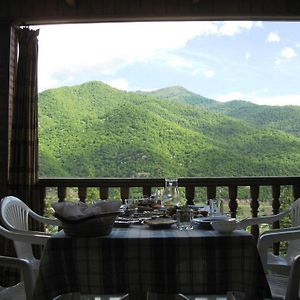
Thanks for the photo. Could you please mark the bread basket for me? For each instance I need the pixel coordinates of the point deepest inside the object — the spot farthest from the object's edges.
(92, 226)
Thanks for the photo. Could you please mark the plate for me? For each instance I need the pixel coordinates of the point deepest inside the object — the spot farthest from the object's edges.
(205, 223)
(160, 223)
(125, 222)
(122, 224)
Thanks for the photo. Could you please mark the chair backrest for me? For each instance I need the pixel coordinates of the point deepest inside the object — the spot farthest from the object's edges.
(14, 213)
(294, 245)
(14, 216)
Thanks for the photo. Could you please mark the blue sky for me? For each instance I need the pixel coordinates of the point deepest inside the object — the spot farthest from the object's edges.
(252, 61)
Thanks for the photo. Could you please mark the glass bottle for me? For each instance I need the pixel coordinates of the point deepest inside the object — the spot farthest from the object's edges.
(171, 193)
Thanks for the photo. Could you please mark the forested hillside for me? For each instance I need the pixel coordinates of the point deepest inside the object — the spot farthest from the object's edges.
(96, 130)
(286, 118)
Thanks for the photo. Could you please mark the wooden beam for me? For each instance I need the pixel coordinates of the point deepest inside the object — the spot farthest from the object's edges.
(68, 11)
(71, 3)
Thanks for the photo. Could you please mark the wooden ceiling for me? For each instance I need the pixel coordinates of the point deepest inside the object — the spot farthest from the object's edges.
(32, 12)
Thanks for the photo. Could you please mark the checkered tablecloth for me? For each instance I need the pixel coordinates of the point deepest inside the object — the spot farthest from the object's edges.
(139, 259)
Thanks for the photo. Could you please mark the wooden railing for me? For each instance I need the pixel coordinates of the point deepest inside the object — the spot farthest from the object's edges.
(188, 184)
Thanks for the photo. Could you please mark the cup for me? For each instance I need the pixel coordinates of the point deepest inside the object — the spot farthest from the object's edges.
(184, 217)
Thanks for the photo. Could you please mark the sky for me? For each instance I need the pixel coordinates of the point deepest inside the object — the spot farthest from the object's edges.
(221, 60)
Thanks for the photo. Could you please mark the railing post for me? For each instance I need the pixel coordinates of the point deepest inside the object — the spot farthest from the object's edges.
(232, 202)
(190, 195)
(276, 207)
(42, 191)
(296, 191)
(82, 193)
(254, 192)
(147, 191)
(124, 193)
(211, 192)
(103, 192)
(61, 193)
(275, 202)
(42, 195)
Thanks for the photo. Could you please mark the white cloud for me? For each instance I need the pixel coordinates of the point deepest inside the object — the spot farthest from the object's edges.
(178, 62)
(104, 49)
(288, 53)
(280, 100)
(209, 73)
(273, 37)
(247, 55)
(45, 80)
(119, 83)
(235, 27)
(230, 96)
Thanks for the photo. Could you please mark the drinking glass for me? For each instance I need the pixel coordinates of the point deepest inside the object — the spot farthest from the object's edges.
(184, 217)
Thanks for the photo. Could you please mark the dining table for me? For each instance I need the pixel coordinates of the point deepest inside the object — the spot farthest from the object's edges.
(140, 259)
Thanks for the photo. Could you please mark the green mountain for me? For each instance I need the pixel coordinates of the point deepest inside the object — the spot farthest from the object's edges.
(95, 130)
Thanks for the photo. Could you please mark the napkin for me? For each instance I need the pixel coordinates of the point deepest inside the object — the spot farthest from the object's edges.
(69, 210)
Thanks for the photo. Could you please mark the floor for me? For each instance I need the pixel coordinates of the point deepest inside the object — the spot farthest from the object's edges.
(17, 293)
(13, 293)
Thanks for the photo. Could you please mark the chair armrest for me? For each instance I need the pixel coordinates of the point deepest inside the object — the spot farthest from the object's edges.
(280, 230)
(24, 266)
(267, 239)
(24, 236)
(41, 219)
(32, 232)
(263, 220)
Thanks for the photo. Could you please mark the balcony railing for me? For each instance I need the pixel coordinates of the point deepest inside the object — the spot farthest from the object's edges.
(232, 184)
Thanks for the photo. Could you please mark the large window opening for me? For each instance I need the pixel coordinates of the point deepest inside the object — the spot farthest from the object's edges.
(179, 99)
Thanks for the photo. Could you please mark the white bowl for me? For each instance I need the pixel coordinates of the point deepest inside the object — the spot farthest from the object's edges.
(224, 226)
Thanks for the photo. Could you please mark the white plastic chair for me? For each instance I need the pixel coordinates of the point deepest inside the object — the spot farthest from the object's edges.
(25, 265)
(23, 289)
(276, 263)
(14, 216)
(283, 287)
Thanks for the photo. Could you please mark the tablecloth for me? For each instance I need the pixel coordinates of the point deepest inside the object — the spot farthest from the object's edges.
(142, 259)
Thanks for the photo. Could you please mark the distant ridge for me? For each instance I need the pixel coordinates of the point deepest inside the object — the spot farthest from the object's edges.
(285, 118)
(178, 93)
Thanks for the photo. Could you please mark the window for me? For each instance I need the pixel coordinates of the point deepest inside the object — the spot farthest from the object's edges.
(169, 99)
